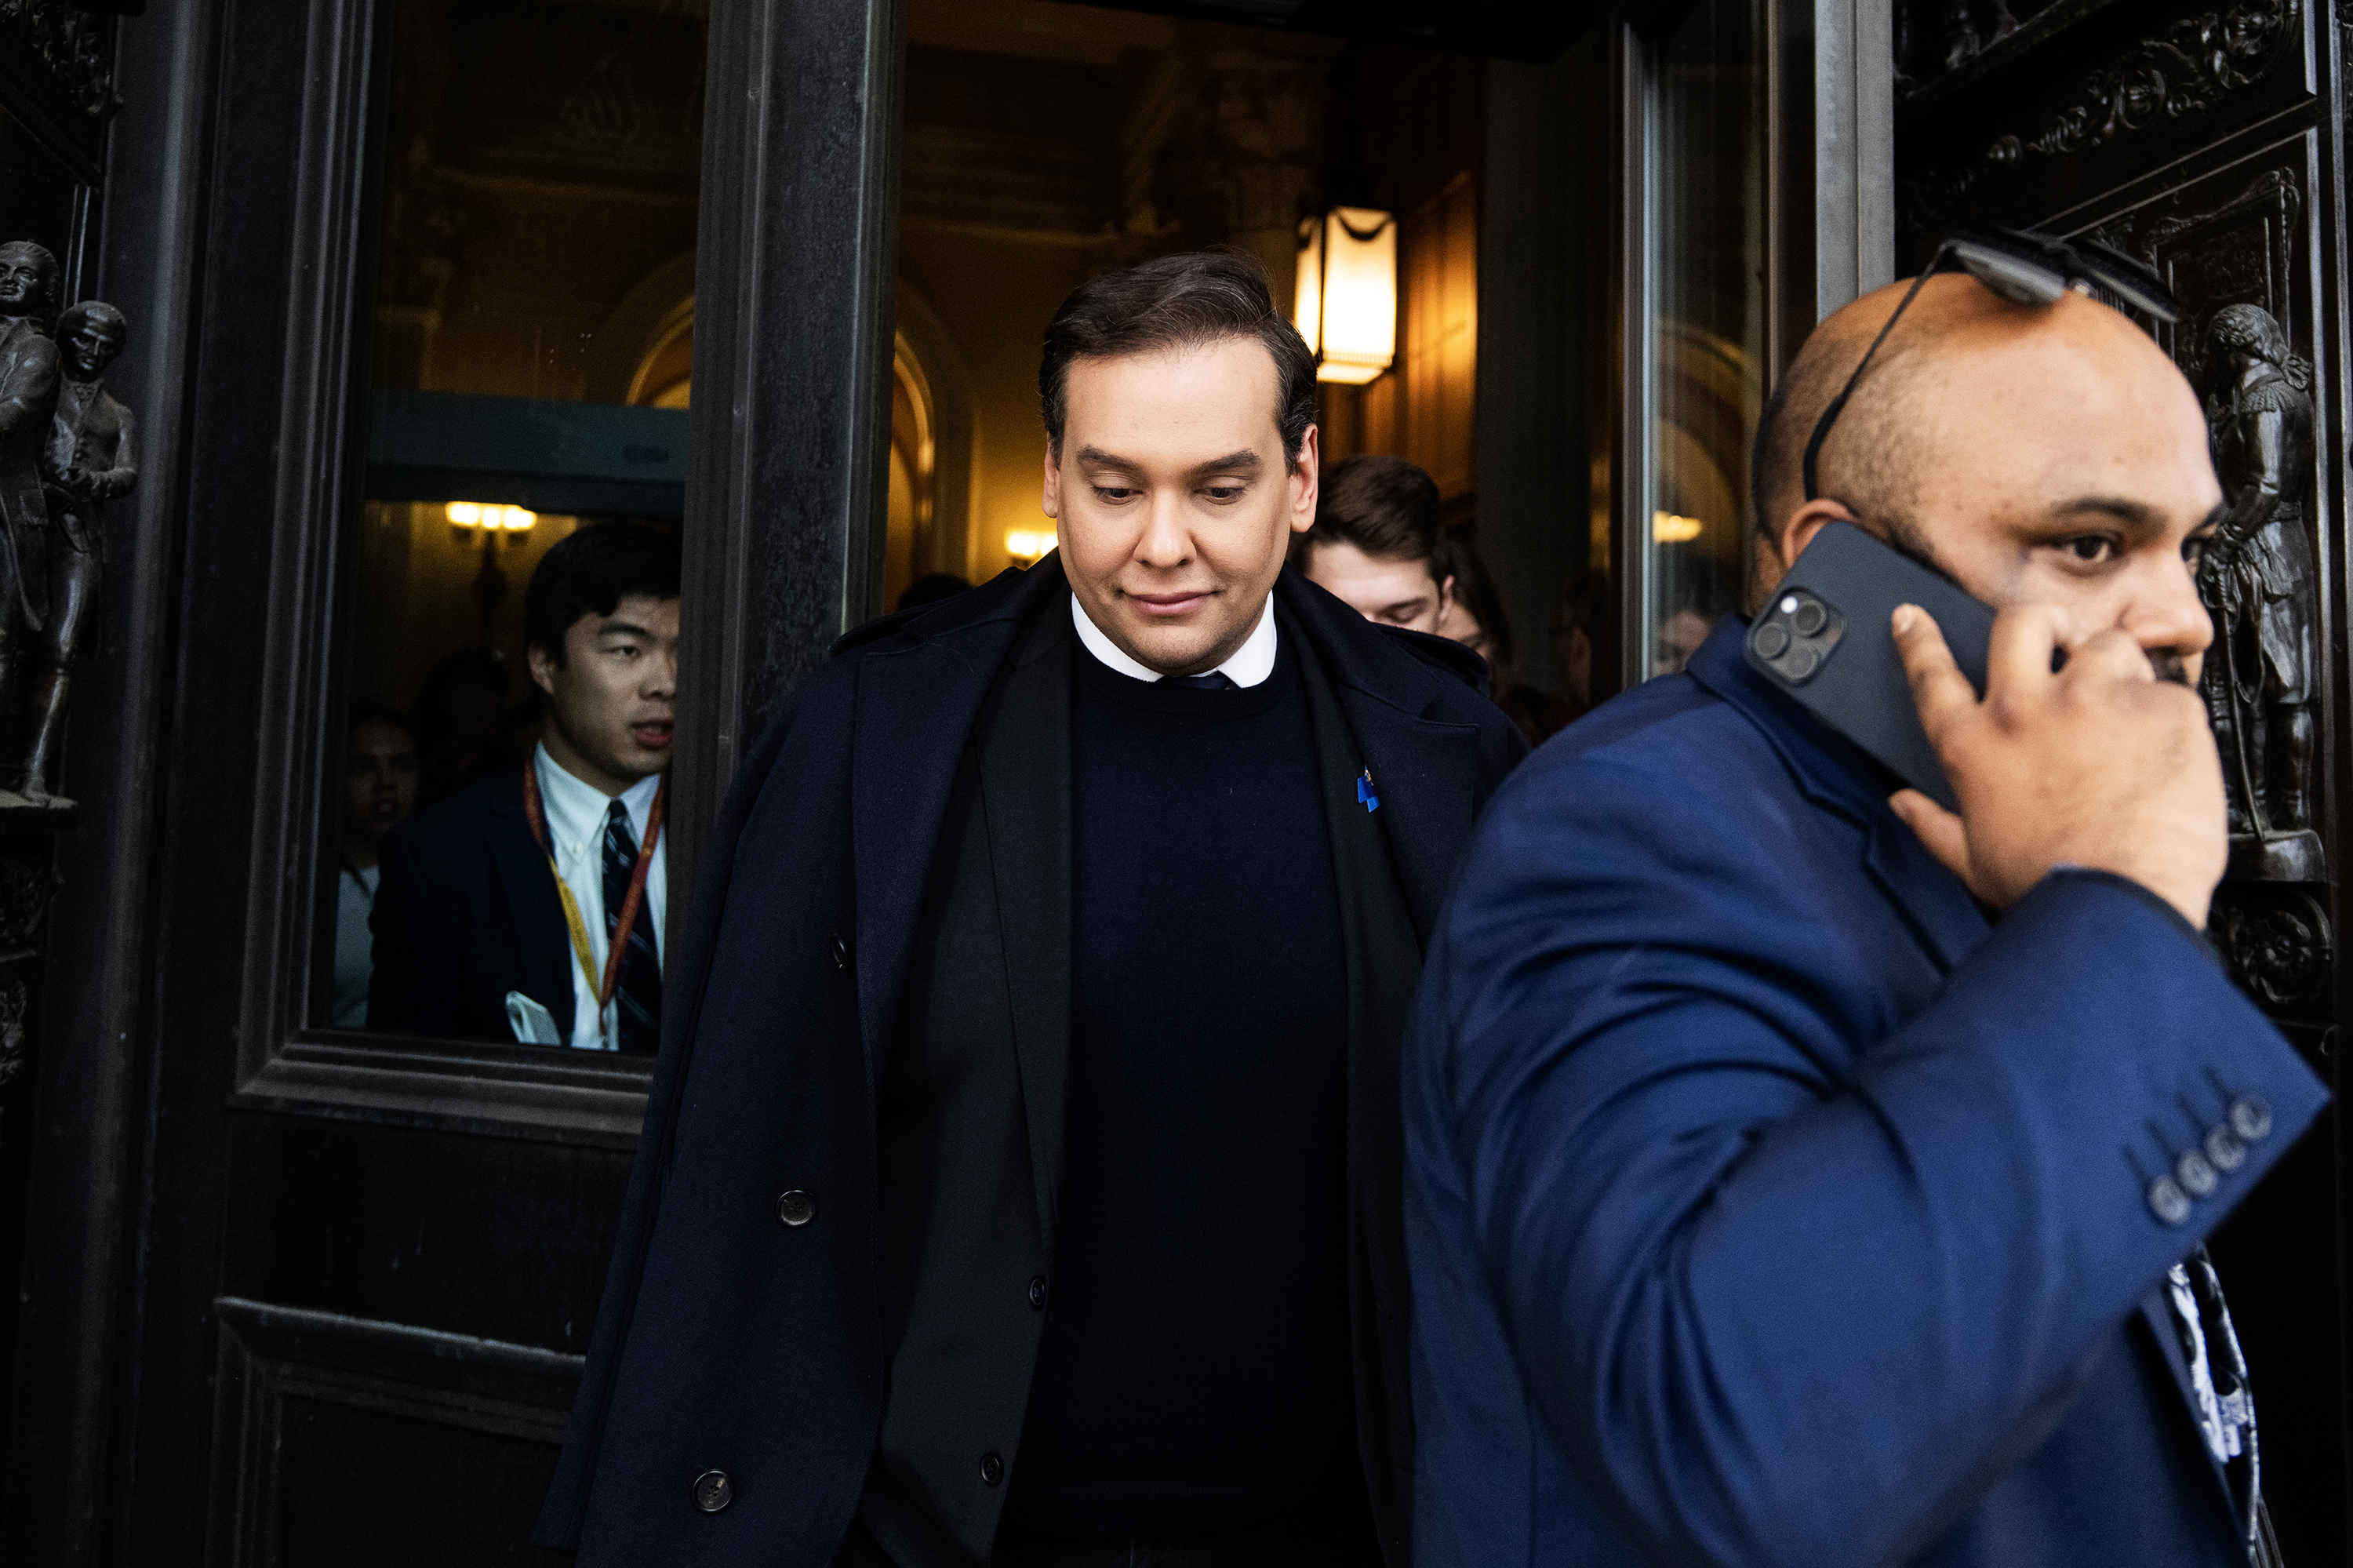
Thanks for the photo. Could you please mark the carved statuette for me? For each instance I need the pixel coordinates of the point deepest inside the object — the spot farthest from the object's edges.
(28, 400)
(88, 461)
(2259, 583)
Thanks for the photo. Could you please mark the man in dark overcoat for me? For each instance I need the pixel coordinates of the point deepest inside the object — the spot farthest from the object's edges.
(1021, 1176)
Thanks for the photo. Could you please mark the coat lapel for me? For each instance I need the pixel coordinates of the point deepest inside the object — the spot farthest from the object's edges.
(542, 935)
(1425, 772)
(1934, 902)
(1025, 781)
(1836, 774)
(916, 705)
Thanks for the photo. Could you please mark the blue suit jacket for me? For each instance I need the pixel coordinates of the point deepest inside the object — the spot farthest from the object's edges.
(1767, 1206)
(466, 911)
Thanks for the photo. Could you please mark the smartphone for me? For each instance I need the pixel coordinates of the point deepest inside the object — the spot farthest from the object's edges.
(1827, 639)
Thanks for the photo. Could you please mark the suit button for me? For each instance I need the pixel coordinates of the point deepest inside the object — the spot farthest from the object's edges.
(2251, 1118)
(2196, 1176)
(2168, 1202)
(1038, 1293)
(992, 1468)
(797, 1208)
(2225, 1149)
(713, 1490)
(840, 951)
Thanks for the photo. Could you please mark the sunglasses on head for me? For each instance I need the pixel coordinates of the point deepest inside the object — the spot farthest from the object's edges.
(2026, 268)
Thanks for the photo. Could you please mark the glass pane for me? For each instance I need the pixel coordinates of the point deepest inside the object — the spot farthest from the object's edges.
(528, 374)
(1705, 328)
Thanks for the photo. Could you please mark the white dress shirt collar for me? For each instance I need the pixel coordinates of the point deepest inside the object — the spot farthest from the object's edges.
(1251, 663)
(577, 808)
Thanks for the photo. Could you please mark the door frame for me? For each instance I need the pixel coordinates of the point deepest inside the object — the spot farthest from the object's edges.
(1829, 222)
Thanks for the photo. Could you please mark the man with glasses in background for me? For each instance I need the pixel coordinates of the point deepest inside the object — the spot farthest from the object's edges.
(1799, 1172)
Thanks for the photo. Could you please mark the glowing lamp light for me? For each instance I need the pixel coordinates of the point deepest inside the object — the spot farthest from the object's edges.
(1347, 304)
(1029, 545)
(489, 516)
(1669, 529)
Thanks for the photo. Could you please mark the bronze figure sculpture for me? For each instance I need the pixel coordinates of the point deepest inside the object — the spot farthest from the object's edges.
(2259, 580)
(88, 462)
(28, 395)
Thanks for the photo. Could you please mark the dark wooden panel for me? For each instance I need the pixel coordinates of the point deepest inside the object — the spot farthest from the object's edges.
(348, 1443)
(491, 1236)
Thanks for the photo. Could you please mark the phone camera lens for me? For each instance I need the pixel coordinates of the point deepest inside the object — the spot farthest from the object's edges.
(1772, 640)
(1809, 619)
(1800, 663)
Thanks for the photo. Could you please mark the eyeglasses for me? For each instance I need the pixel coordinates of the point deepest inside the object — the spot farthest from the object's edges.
(2026, 268)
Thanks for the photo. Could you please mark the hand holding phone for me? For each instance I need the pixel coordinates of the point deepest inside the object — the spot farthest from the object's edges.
(2099, 764)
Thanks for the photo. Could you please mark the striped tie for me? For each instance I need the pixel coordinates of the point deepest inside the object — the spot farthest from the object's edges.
(637, 992)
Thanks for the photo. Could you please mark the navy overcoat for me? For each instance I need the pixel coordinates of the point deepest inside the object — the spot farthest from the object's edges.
(728, 1341)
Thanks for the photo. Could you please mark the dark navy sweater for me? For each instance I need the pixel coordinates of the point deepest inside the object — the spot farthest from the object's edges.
(1195, 1374)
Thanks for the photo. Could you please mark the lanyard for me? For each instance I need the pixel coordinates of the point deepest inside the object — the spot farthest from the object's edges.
(536, 812)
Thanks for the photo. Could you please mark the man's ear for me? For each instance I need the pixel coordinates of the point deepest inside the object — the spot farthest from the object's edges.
(1797, 530)
(542, 667)
(1052, 499)
(1306, 481)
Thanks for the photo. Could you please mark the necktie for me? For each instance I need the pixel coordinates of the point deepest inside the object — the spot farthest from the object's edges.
(1215, 680)
(636, 991)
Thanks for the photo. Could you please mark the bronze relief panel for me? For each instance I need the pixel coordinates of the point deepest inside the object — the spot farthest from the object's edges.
(2236, 248)
(2067, 105)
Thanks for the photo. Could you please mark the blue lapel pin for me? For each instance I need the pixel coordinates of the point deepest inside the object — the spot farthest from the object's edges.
(1365, 795)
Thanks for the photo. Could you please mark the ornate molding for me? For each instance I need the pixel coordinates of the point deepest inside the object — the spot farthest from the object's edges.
(27, 882)
(2183, 71)
(2282, 954)
(13, 999)
(75, 44)
(2144, 231)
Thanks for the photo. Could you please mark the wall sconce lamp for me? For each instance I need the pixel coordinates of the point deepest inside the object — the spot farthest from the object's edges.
(1668, 528)
(1346, 305)
(1029, 545)
(494, 525)
(489, 516)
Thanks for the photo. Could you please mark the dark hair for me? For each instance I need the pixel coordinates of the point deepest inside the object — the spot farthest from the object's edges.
(373, 710)
(1475, 591)
(590, 571)
(930, 590)
(1175, 303)
(92, 311)
(1384, 506)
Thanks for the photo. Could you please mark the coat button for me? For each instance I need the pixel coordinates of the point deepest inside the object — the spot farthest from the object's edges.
(1038, 1293)
(2168, 1202)
(840, 951)
(713, 1490)
(797, 1208)
(2251, 1118)
(992, 1468)
(2196, 1176)
(2225, 1149)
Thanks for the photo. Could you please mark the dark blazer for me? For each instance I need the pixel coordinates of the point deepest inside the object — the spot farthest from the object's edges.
(1768, 1206)
(466, 911)
(730, 1342)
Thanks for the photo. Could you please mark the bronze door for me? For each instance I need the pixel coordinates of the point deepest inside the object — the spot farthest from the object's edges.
(2209, 141)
